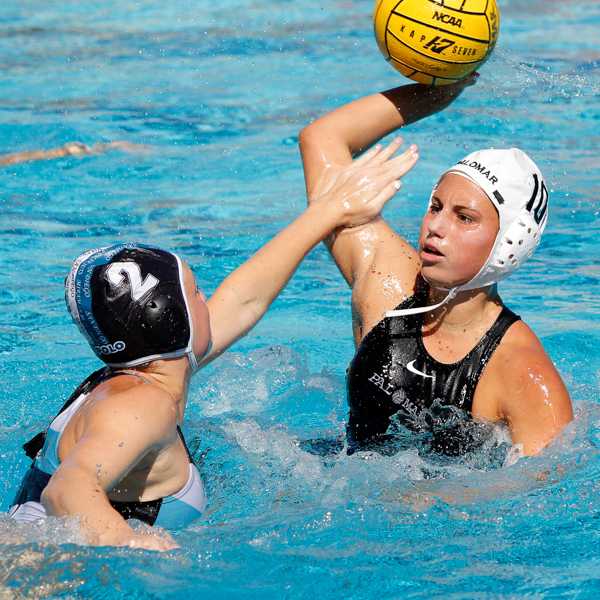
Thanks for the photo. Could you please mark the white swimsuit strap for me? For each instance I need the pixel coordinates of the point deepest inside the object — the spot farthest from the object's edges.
(405, 312)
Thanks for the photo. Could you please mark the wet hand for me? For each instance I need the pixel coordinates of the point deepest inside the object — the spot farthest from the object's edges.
(357, 192)
(152, 541)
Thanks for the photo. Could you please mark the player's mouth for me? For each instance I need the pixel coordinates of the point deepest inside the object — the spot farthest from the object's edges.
(430, 253)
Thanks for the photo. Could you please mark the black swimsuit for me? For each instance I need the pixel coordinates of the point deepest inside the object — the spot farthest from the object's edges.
(392, 379)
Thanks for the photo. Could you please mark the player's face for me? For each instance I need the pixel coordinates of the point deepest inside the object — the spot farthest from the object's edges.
(197, 303)
(457, 233)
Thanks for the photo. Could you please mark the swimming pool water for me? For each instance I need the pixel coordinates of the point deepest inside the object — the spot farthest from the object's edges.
(217, 93)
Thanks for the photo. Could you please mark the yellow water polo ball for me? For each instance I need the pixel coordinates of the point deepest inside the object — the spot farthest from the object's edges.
(436, 41)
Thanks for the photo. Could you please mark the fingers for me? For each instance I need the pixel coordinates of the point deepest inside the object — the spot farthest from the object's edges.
(400, 165)
(385, 194)
(386, 157)
(156, 545)
(388, 179)
(367, 156)
(152, 541)
(456, 88)
(453, 90)
(470, 79)
(363, 187)
(378, 154)
(384, 154)
(383, 163)
(371, 179)
(387, 152)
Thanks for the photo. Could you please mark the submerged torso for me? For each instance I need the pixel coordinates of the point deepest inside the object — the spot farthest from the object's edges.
(393, 380)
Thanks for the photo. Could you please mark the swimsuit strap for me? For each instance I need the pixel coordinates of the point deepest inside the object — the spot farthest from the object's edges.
(35, 444)
(496, 332)
(187, 450)
(481, 354)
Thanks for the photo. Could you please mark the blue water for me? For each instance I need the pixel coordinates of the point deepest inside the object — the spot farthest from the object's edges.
(217, 92)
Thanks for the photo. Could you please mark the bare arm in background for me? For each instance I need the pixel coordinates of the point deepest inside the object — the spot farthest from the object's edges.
(69, 149)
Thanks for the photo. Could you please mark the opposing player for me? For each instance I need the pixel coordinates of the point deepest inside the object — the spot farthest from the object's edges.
(438, 352)
(115, 450)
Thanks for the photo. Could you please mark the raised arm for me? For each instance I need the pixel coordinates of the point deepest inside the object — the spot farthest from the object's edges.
(335, 138)
(341, 134)
(349, 197)
(374, 256)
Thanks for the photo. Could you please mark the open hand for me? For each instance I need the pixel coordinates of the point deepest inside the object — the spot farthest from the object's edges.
(357, 192)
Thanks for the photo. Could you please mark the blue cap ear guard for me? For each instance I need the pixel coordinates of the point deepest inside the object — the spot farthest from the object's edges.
(129, 301)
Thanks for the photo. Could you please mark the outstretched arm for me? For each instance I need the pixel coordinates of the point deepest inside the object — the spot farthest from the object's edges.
(69, 149)
(349, 197)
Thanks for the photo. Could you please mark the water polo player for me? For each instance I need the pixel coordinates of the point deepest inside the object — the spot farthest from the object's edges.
(115, 450)
(437, 350)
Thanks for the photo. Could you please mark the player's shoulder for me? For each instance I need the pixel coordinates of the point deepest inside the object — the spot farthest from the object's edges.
(526, 381)
(521, 355)
(134, 404)
(521, 338)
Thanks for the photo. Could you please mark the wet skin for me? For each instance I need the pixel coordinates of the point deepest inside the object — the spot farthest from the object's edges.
(519, 385)
(457, 233)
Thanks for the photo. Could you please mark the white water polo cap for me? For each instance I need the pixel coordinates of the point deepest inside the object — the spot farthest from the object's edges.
(515, 186)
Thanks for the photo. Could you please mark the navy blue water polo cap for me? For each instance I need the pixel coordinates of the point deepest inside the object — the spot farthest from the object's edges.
(129, 301)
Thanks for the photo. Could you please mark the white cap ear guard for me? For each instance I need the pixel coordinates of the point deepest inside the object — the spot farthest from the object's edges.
(516, 187)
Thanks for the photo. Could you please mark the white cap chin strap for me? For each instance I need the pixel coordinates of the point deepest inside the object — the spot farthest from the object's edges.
(452, 293)
(422, 309)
